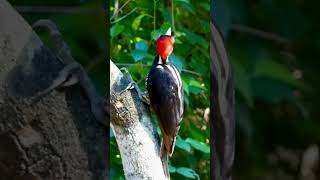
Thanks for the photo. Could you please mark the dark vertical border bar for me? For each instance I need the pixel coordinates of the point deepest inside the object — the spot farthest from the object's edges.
(222, 110)
(107, 102)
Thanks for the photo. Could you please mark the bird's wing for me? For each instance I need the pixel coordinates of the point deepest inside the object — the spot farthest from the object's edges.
(165, 98)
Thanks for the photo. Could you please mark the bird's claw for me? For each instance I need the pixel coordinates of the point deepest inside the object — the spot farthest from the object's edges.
(130, 86)
(143, 96)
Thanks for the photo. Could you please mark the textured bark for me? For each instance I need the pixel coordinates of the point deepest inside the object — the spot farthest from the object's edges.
(55, 136)
(135, 134)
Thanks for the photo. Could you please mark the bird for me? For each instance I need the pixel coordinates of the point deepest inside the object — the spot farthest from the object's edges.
(165, 91)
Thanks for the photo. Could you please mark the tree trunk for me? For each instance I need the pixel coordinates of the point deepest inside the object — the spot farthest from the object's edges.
(135, 134)
(55, 137)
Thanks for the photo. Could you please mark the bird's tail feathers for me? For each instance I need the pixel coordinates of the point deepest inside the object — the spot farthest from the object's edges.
(164, 160)
(173, 144)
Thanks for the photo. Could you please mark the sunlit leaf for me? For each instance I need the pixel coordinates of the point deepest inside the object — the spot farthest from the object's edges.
(198, 145)
(180, 143)
(187, 172)
(116, 30)
(195, 86)
(195, 83)
(184, 1)
(172, 169)
(136, 22)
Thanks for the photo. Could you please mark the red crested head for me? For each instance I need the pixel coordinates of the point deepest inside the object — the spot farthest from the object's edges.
(165, 46)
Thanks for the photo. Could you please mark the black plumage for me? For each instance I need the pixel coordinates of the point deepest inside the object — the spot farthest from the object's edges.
(165, 91)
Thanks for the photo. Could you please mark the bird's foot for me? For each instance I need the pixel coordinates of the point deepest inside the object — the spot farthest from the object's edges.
(143, 96)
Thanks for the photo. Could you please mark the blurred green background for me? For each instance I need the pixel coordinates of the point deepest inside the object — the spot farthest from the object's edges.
(274, 49)
(83, 26)
(135, 25)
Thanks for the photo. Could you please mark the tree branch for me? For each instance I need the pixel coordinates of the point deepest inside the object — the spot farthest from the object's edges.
(260, 33)
(136, 135)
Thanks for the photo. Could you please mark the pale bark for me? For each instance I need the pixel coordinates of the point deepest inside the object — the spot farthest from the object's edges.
(135, 134)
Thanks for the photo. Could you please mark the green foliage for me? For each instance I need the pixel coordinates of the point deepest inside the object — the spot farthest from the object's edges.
(133, 34)
(275, 102)
(83, 32)
(198, 145)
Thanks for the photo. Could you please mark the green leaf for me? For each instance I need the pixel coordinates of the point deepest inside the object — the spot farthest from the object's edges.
(187, 172)
(197, 64)
(186, 4)
(243, 83)
(111, 133)
(155, 34)
(142, 45)
(172, 169)
(205, 5)
(116, 30)
(177, 61)
(196, 39)
(185, 86)
(195, 86)
(180, 143)
(198, 145)
(184, 1)
(276, 71)
(163, 29)
(195, 83)
(138, 55)
(136, 22)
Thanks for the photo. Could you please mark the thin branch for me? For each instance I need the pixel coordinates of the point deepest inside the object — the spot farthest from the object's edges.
(260, 33)
(121, 18)
(172, 16)
(116, 9)
(154, 14)
(191, 72)
(116, 13)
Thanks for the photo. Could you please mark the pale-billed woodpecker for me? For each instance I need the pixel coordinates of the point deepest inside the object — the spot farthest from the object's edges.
(164, 87)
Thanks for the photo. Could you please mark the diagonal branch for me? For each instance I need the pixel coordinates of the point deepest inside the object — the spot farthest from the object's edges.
(136, 135)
